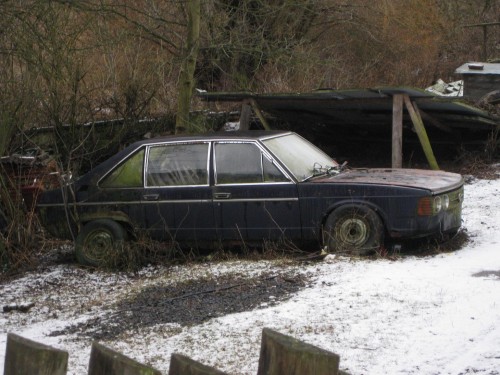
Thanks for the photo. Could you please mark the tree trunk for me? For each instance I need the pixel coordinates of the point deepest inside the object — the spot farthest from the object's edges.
(6, 133)
(186, 81)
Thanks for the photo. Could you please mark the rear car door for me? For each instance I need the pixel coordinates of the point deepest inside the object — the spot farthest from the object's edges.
(253, 197)
(177, 195)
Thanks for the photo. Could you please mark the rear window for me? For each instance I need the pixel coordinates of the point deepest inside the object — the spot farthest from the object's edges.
(128, 174)
(178, 165)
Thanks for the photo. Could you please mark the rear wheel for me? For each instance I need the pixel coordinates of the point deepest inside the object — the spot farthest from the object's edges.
(353, 230)
(97, 240)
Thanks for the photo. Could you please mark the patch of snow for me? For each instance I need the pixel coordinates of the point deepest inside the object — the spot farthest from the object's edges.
(414, 315)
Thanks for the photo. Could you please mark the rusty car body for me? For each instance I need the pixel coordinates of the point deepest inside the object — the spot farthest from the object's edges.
(247, 187)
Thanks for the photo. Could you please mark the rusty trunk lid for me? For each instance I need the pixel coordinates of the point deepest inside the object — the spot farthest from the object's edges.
(434, 181)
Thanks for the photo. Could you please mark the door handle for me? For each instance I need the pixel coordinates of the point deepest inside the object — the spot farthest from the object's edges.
(151, 197)
(222, 195)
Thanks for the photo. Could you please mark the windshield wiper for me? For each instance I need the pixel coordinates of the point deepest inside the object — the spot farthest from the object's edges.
(337, 168)
(319, 170)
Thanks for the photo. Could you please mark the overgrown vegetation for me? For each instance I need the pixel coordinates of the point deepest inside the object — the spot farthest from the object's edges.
(65, 63)
(143, 251)
(424, 246)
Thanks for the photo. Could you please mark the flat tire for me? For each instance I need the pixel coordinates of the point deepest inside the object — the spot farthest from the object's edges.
(354, 230)
(97, 240)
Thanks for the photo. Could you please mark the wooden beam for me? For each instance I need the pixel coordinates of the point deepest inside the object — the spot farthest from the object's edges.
(485, 43)
(397, 131)
(432, 121)
(418, 124)
(245, 113)
(259, 114)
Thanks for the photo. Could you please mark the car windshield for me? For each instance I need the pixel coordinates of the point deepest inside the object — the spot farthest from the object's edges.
(301, 157)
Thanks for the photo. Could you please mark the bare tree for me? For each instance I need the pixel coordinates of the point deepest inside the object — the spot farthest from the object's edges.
(174, 26)
(187, 78)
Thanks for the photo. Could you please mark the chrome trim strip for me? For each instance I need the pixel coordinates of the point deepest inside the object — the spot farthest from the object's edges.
(258, 184)
(161, 144)
(264, 153)
(240, 200)
(174, 186)
(274, 136)
(124, 203)
(449, 189)
(170, 202)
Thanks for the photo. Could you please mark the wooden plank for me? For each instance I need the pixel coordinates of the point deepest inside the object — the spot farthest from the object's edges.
(281, 354)
(182, 365)
(259, 114)
(246, 111)
(104, 361)
(397, 131)
(418, 124)
(26, 357)
(432, 121)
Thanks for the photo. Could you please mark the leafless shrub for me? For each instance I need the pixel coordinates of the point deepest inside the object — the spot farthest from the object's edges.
(281, 248)
(492, 148)
(20, 241)
(443, 243)
(474, 163)
(134, 254)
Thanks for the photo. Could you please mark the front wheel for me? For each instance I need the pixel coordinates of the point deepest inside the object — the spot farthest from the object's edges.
(97, 240)
(353, 230)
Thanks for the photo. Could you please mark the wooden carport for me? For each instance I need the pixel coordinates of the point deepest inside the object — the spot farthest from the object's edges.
(384, 111)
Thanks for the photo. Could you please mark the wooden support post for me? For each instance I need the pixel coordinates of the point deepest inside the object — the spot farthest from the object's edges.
(26, 357)
(245, 113)
(418, 124)
(182, 365)
(104, 361)
(259, 114)
(485, 43)
(397, 131)
(280, 354)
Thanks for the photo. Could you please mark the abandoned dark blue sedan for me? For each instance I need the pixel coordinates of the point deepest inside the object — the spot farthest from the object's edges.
(247, 187)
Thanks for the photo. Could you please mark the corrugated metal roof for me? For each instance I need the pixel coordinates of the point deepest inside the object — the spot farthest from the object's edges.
(320, 94)
(363, 111)
(366, 107)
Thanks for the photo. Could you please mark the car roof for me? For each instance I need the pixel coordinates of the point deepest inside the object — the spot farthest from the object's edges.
(251, 135)
(223, 135)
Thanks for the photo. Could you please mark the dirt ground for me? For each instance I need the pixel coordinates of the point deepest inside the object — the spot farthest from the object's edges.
(188, 303)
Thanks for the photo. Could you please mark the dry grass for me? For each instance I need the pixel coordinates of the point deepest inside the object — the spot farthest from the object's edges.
(424, 246)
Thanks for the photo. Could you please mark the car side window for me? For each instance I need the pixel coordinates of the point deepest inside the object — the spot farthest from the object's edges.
(128, 174)
(243, 163)
(271, 172)
(178, 165)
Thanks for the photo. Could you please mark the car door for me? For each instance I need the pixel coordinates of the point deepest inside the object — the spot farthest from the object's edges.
(177, 195)
(253, 198)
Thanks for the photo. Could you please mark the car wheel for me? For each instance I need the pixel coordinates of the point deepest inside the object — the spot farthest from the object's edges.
(97, 239)
(354, 230)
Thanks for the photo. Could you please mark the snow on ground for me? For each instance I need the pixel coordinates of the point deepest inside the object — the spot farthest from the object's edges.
(414, 315)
